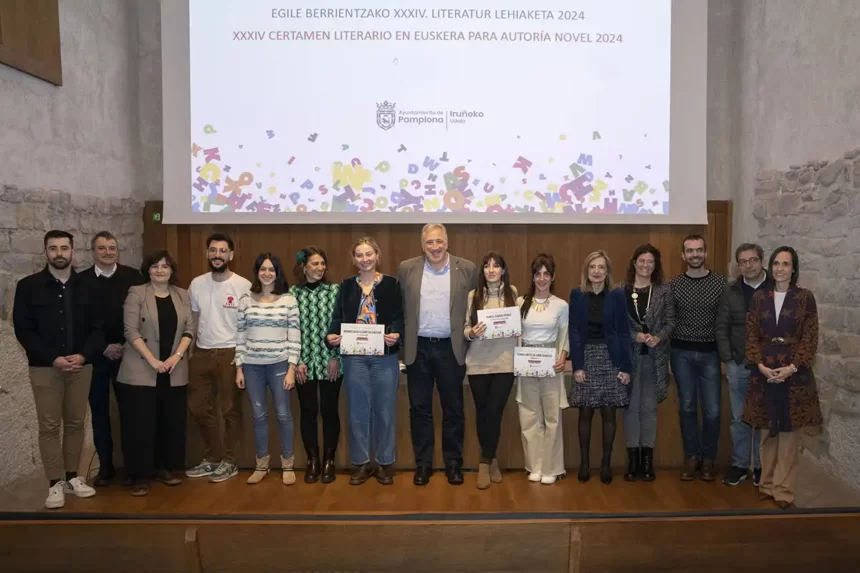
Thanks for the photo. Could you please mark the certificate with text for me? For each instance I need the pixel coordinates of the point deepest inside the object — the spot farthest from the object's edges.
(534, 362)
(500, 322)
(362, 339)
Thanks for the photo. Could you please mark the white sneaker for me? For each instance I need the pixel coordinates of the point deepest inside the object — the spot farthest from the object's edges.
(534, 476)
(547, 480)
(77, 486)
(56, 496)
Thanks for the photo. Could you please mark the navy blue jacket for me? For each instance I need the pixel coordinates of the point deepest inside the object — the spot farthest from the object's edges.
(616, 329)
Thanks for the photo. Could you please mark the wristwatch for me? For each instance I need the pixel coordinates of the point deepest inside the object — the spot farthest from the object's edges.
(179, 354)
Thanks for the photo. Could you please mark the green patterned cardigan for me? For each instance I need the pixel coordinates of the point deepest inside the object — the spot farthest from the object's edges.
(315, 309)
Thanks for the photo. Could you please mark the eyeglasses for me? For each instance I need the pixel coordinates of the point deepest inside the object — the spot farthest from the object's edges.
(749, 261)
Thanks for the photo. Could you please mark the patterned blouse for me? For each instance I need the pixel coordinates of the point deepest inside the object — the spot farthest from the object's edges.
(316, 305)
(367, 307)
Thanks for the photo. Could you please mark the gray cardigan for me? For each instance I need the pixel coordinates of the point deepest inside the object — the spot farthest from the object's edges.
(660, 320)
(140, 316)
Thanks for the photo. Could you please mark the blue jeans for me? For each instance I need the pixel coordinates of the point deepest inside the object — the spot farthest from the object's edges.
(371, 394)
(257, 378)
(698, 377)
(739, 379)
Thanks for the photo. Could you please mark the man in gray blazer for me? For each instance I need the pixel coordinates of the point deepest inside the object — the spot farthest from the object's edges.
(435, 294)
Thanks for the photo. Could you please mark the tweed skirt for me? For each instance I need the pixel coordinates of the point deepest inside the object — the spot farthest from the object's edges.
(601, 386)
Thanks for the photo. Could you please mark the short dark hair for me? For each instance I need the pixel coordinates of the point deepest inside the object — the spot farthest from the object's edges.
(55, 234)
(694, 237)
(281, 286)
(749, 247)
(153, 258)
(302, 258)
(656, 274)
(217, 237)
(795, 262)
(107, 235)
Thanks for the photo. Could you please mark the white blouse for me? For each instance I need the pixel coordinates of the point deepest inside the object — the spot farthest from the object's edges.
(548, 325)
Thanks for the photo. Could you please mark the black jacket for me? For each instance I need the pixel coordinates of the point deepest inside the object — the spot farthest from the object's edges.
(730, 325)
(389, 307)
(111, 294)
(39, 316)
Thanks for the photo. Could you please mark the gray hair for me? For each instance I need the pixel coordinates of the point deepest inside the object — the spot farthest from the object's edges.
(107, 235)
(433, 227)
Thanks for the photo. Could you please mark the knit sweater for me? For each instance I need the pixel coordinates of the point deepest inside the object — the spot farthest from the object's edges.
(268, 332)
(316, 304)
(697, 300)
(489, 356)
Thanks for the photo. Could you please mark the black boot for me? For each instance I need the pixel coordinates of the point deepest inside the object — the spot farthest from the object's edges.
(648, 464)
(312, 471)
(584, 466)
(633, 464)
(329, 469)
(606, 467)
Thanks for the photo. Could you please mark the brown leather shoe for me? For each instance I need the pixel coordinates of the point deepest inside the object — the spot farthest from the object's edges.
(765, 497)
(690, 469)
(384, 475)
(782, 504)
(361, 474)
(708, 473)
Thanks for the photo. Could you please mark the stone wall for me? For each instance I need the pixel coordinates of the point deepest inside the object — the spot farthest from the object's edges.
(25, 215)
(815, 208)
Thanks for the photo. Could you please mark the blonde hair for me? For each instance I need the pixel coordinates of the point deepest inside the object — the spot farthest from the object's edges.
(607, 282)
(372, 244)
(433, 227)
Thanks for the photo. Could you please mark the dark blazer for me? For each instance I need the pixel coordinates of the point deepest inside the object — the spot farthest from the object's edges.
(464, 278)
(389, 308)
(616, 329)
(38, 317)
(660, 320)
(140, 315)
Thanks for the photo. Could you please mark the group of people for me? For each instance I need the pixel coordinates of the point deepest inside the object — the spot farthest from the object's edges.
(167, 351)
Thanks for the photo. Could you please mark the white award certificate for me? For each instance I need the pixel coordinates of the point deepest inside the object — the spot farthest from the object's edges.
(534, 362)
(500, 322)
(362, 339)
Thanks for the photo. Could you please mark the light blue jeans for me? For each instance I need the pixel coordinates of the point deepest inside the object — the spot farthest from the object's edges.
(257, 378)
(739, 380)
(371, 394)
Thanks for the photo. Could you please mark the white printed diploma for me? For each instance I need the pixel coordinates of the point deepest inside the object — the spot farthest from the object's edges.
(362, 339)
(500, 322)
(534, 362)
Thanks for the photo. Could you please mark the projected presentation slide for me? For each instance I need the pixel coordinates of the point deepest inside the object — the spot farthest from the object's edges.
(481, 110)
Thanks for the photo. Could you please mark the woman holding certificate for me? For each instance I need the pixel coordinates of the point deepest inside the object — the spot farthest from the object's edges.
(490, 358)
(367, 325)
(540, 390)
(268, 348)
(600, 352)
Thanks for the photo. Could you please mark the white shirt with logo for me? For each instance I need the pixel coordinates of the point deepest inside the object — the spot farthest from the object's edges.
(218, 306)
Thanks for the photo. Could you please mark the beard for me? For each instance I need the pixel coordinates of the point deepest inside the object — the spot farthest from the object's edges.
(220, 269)
(696, 264)
(59, 263)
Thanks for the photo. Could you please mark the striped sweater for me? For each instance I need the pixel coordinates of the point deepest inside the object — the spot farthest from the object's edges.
(268, 332)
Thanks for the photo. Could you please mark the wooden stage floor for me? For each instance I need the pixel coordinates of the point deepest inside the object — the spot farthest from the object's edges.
(513, 527)
(515, 497)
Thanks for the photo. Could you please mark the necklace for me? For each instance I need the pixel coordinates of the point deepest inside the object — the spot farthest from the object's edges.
(635, 297)
(540, 305)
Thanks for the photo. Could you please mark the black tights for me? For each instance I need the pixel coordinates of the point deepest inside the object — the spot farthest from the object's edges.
(586, 415)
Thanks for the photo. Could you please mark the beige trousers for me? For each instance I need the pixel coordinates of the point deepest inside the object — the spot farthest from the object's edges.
(779, 455)
(61, 400)
(539, 403)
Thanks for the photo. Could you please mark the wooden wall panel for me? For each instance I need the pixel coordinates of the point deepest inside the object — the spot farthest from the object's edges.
(30, 38)
(519, 244)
